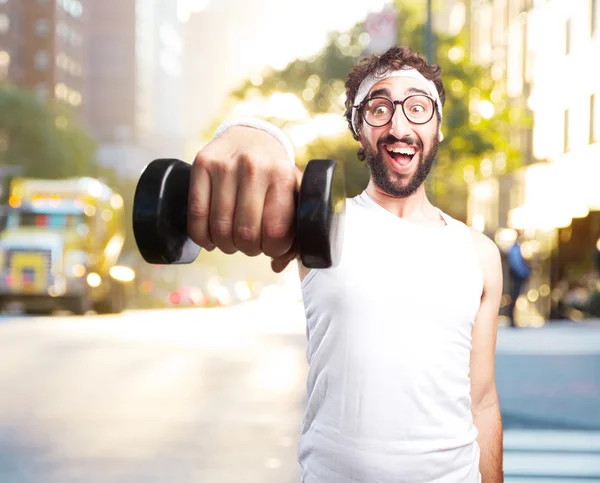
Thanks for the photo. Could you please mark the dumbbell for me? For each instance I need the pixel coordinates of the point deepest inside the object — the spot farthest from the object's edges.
(160, 209)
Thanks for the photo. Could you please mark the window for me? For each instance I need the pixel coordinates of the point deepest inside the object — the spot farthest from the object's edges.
(4, 64)
(568, 37)
(4, 23)
(41, 60)
(42, 91)
(42, 27)
(74, 39)
(594, 16)
(76, 9)
(566, 132)
(48, 220)
(62, 30)
(72, 7)
(594, 119)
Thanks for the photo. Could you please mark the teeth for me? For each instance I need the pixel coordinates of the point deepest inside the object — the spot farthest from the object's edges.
(407, 151)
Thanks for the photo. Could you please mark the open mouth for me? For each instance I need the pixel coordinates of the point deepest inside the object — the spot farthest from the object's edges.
(402, 156)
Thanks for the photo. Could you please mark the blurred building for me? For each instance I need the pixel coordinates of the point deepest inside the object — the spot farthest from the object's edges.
(134, 60)
(208, 72)
(221, 44)
(542, 55)
(42, 48)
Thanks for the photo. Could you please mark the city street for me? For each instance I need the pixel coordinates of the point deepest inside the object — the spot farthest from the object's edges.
(216, 395)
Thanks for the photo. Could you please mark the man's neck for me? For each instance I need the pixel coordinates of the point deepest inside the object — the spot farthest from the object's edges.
(415, 208)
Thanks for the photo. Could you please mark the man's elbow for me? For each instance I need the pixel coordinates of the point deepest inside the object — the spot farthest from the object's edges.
(484, 400)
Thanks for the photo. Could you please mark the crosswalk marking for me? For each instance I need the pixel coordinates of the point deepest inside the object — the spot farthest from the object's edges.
(549, 480)
(558, 456)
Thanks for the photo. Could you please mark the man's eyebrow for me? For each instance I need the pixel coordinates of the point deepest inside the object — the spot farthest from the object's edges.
(416, 90)
(381, 92)
(385, 92)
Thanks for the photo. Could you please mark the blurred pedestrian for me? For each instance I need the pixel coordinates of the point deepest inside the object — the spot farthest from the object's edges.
(519, 273)
(597, 256)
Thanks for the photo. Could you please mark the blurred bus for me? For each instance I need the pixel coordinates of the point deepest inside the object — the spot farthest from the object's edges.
(61, 246)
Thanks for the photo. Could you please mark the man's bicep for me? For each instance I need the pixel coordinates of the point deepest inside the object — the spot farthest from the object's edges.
(484, 333)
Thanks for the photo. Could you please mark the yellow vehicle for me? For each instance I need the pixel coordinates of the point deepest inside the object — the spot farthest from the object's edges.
(61, 246)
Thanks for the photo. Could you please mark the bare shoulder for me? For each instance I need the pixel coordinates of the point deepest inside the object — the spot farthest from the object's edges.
(484, 246)
(489, 259)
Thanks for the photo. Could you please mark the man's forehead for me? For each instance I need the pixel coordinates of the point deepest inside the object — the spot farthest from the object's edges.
(401, 86)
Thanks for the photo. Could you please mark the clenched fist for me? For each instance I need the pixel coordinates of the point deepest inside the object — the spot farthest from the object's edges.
(241, 196)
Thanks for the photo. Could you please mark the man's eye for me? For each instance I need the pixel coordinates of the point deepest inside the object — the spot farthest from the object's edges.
(380, 110)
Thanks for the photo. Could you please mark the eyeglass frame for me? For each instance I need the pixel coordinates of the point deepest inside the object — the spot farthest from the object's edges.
(360, 106)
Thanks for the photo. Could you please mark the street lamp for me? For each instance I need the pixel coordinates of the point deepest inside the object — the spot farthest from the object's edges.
(429, 54)
(429, 33)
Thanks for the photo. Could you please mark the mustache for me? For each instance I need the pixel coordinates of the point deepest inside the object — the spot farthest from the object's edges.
(411, 141)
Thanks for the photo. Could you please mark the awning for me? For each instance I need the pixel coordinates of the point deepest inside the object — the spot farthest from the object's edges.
(555, 193)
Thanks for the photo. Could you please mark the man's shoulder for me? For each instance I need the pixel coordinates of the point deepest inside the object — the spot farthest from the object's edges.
(484, 243)
(489, 256)
(481, 241)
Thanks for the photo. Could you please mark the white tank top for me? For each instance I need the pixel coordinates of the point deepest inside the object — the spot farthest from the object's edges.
(389, 340)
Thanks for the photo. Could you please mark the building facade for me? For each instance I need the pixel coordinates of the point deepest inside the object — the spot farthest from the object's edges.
(542, 55)
(42, 49)
(134, 60)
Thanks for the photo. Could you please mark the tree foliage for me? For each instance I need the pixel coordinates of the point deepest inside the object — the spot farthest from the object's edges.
(477, 117)
(42, 139)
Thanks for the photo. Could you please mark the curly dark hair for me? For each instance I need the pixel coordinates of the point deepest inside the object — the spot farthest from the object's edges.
(393, 59)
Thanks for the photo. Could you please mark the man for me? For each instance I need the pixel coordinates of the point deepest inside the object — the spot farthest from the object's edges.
(402, 334)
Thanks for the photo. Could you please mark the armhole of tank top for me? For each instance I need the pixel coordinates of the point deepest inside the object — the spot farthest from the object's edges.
(309, 276)
(478, 266)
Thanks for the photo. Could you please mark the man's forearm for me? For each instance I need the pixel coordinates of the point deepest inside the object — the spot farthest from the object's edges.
(488, 422)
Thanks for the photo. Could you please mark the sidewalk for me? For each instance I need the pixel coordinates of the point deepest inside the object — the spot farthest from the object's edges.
(555, 337)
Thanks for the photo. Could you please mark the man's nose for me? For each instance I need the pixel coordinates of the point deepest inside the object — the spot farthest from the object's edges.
(400, 125)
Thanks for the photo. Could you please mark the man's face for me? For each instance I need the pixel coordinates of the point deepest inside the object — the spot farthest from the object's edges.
(397, 174)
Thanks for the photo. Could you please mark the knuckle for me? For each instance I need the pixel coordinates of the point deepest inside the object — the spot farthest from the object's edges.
(221, 229)
(199, 237)
(228, 249)
(201, 160)
(248, 166)
(198, 212)
(247, 235)
(276, 230)
(197, 216)
(221, 167)
(283, 174)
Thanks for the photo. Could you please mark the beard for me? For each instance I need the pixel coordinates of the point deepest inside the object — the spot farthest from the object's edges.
(392, 183)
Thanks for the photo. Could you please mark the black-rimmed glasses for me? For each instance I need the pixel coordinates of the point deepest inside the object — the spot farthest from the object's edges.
(378, 111)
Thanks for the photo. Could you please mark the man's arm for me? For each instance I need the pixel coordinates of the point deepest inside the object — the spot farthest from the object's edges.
(485, 405)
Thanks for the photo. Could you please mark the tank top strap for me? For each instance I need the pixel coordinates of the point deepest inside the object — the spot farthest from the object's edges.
(447, 218)
(453, 222)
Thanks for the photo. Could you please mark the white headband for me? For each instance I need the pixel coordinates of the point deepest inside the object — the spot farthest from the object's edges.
(372, 79)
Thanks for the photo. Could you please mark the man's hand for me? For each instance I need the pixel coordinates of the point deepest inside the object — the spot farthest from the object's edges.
(242, 196)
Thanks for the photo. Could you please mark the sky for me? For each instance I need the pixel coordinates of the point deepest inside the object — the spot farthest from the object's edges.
(300, 25)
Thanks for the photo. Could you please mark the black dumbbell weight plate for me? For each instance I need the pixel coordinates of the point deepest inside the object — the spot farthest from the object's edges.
(160, 213)
(320, 216)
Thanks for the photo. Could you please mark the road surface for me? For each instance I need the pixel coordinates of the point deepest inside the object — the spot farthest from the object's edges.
(216, 395)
